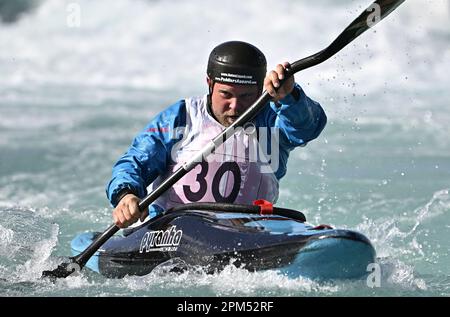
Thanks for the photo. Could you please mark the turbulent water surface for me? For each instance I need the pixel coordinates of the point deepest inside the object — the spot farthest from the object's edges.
(75, 89)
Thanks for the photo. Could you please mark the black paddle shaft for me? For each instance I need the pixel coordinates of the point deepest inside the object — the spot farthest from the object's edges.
(368, 18)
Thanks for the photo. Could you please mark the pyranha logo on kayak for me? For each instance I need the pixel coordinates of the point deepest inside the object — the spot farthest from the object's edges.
(167, 240)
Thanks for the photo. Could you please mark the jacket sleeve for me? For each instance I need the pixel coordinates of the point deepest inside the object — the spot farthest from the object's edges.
(148, 154)
(298, 119)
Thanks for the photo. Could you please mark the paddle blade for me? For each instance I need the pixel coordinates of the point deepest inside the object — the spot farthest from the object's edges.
(376, 12)
(63, 270)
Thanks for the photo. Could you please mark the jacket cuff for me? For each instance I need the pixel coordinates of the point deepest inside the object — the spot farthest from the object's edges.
(122, 193)
(293, 97)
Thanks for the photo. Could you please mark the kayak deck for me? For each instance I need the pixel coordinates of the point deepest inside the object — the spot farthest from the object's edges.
(213, 240)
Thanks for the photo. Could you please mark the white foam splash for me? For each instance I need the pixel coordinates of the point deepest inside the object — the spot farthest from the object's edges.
(26, 244)
(399, 273)
(32, 269)
(135, 27)
(397, 240)
(231, 281)
(438, 204)
(6, 237)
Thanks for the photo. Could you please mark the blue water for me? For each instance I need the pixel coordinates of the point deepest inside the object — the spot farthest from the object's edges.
(72, 98)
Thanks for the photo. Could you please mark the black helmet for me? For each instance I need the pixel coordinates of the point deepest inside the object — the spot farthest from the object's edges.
(237, 62)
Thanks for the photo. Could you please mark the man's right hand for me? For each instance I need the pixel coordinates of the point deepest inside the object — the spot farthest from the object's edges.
(127, 211)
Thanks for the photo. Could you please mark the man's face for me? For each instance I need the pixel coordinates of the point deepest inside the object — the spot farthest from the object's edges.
(230, 101)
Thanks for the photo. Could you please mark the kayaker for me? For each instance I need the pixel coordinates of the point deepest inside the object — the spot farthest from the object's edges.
(236, 76)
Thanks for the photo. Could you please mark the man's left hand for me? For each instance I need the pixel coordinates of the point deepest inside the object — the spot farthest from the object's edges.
(272, 82)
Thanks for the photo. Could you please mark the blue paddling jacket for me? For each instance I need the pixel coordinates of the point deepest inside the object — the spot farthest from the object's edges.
(160, 148)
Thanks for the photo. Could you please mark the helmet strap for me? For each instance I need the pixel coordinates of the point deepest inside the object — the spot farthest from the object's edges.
(209, 98)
